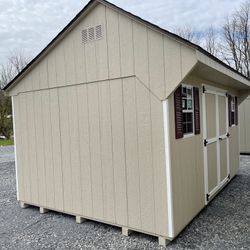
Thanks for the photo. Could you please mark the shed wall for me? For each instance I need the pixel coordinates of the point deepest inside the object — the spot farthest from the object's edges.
(127, 48)
(244, 121)
(187, 164)
(95, 150)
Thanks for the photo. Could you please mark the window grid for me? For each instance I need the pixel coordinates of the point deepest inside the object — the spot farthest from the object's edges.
(188, 110)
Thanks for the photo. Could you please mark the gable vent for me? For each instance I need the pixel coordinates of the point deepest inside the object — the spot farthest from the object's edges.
(98, 32)
(84, 36)
(92, 33)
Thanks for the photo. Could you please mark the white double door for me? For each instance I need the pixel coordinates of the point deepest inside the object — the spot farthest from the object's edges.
(216, 139)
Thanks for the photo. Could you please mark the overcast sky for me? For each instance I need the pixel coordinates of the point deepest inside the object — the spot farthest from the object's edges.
(27, 26)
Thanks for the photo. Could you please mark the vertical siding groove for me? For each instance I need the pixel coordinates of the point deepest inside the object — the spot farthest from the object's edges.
(35, 138)
(90, 156)
(110, 108)
(19, 146)
(112, 146)
(124, 132)
(100, 147)
(27, 150)
(138, 163)
(60, 134)
(69, 153)
(133, 49)
(78, 152)
(151, 132)
(106, 37)
(52, 153)
(43, 145)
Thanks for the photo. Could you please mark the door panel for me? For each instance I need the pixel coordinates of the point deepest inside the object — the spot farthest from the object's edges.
(210, 114)
(212, 166)
(215, 132)
(222, 115)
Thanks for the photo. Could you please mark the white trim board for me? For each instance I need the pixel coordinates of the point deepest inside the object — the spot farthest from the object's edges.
(165, 106)
(14, 133)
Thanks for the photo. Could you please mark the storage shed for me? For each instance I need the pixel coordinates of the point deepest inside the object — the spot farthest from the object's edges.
(122, 122)
(244, 122)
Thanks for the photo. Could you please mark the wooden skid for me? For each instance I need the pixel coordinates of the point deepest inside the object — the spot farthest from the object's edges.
(79, 219)
(43, 210)
(126, 231)
(163, 241)
(24, 205)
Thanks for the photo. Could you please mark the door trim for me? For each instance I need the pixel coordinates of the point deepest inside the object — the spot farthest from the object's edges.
(217, 92)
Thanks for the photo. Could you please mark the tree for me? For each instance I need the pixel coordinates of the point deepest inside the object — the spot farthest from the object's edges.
(14, 65)
(189, 34)
(236, 38)
(211, 43)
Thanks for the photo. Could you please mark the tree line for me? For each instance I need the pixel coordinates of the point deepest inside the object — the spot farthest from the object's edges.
(231, 44)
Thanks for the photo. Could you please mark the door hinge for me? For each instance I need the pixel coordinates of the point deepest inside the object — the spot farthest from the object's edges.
(228, 135)
(207, 196)
(203, 89)
(205, 142)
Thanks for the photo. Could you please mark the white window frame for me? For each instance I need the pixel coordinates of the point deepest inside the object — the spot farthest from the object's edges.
(233, 109)
(187, 135)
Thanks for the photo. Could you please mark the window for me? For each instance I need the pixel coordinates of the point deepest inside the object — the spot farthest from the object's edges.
(232, 110)
(187, 110)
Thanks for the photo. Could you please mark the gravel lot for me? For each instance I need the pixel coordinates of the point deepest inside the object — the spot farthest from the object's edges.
(224, 224)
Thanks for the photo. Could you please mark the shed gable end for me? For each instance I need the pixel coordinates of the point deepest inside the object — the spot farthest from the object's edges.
(109, 44)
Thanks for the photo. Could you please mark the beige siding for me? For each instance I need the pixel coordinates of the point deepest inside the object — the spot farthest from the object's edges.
(187, 174)
(119, 154)
(234, 151)
(188, 165)
(127, 48)
(40, 144)
(244, 121)
(98, 151)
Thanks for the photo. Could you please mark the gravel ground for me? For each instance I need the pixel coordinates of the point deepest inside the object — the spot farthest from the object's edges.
(224, 224)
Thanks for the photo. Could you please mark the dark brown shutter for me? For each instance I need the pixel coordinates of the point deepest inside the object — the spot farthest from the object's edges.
(236, 110)
(178, 113)
(229, 110)
(197, 128)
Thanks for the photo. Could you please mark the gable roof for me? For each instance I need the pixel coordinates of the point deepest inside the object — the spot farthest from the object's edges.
(91, 4)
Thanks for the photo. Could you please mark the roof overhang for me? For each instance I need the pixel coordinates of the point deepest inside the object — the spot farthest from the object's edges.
(213, 71)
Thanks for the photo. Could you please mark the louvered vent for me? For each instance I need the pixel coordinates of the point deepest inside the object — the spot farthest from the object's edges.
(92, 33)
(98, 32)
(84, 36)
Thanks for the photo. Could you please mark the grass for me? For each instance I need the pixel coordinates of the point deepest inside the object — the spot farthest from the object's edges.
(6, 142)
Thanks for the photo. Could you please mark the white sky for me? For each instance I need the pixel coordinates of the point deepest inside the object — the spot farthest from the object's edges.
(27, 26)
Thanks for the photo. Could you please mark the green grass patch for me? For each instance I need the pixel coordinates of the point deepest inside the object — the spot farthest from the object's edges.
(6, 142)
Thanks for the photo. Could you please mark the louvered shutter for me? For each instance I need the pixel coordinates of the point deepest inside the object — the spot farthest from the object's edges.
(229, 110)
(236, 111)
(197, 128)
(178, 113)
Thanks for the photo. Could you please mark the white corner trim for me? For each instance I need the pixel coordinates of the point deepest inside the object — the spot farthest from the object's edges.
(14, 133)
(168, 168)
(204, 124)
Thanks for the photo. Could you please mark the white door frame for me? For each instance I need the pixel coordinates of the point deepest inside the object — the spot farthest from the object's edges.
(217, 92)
